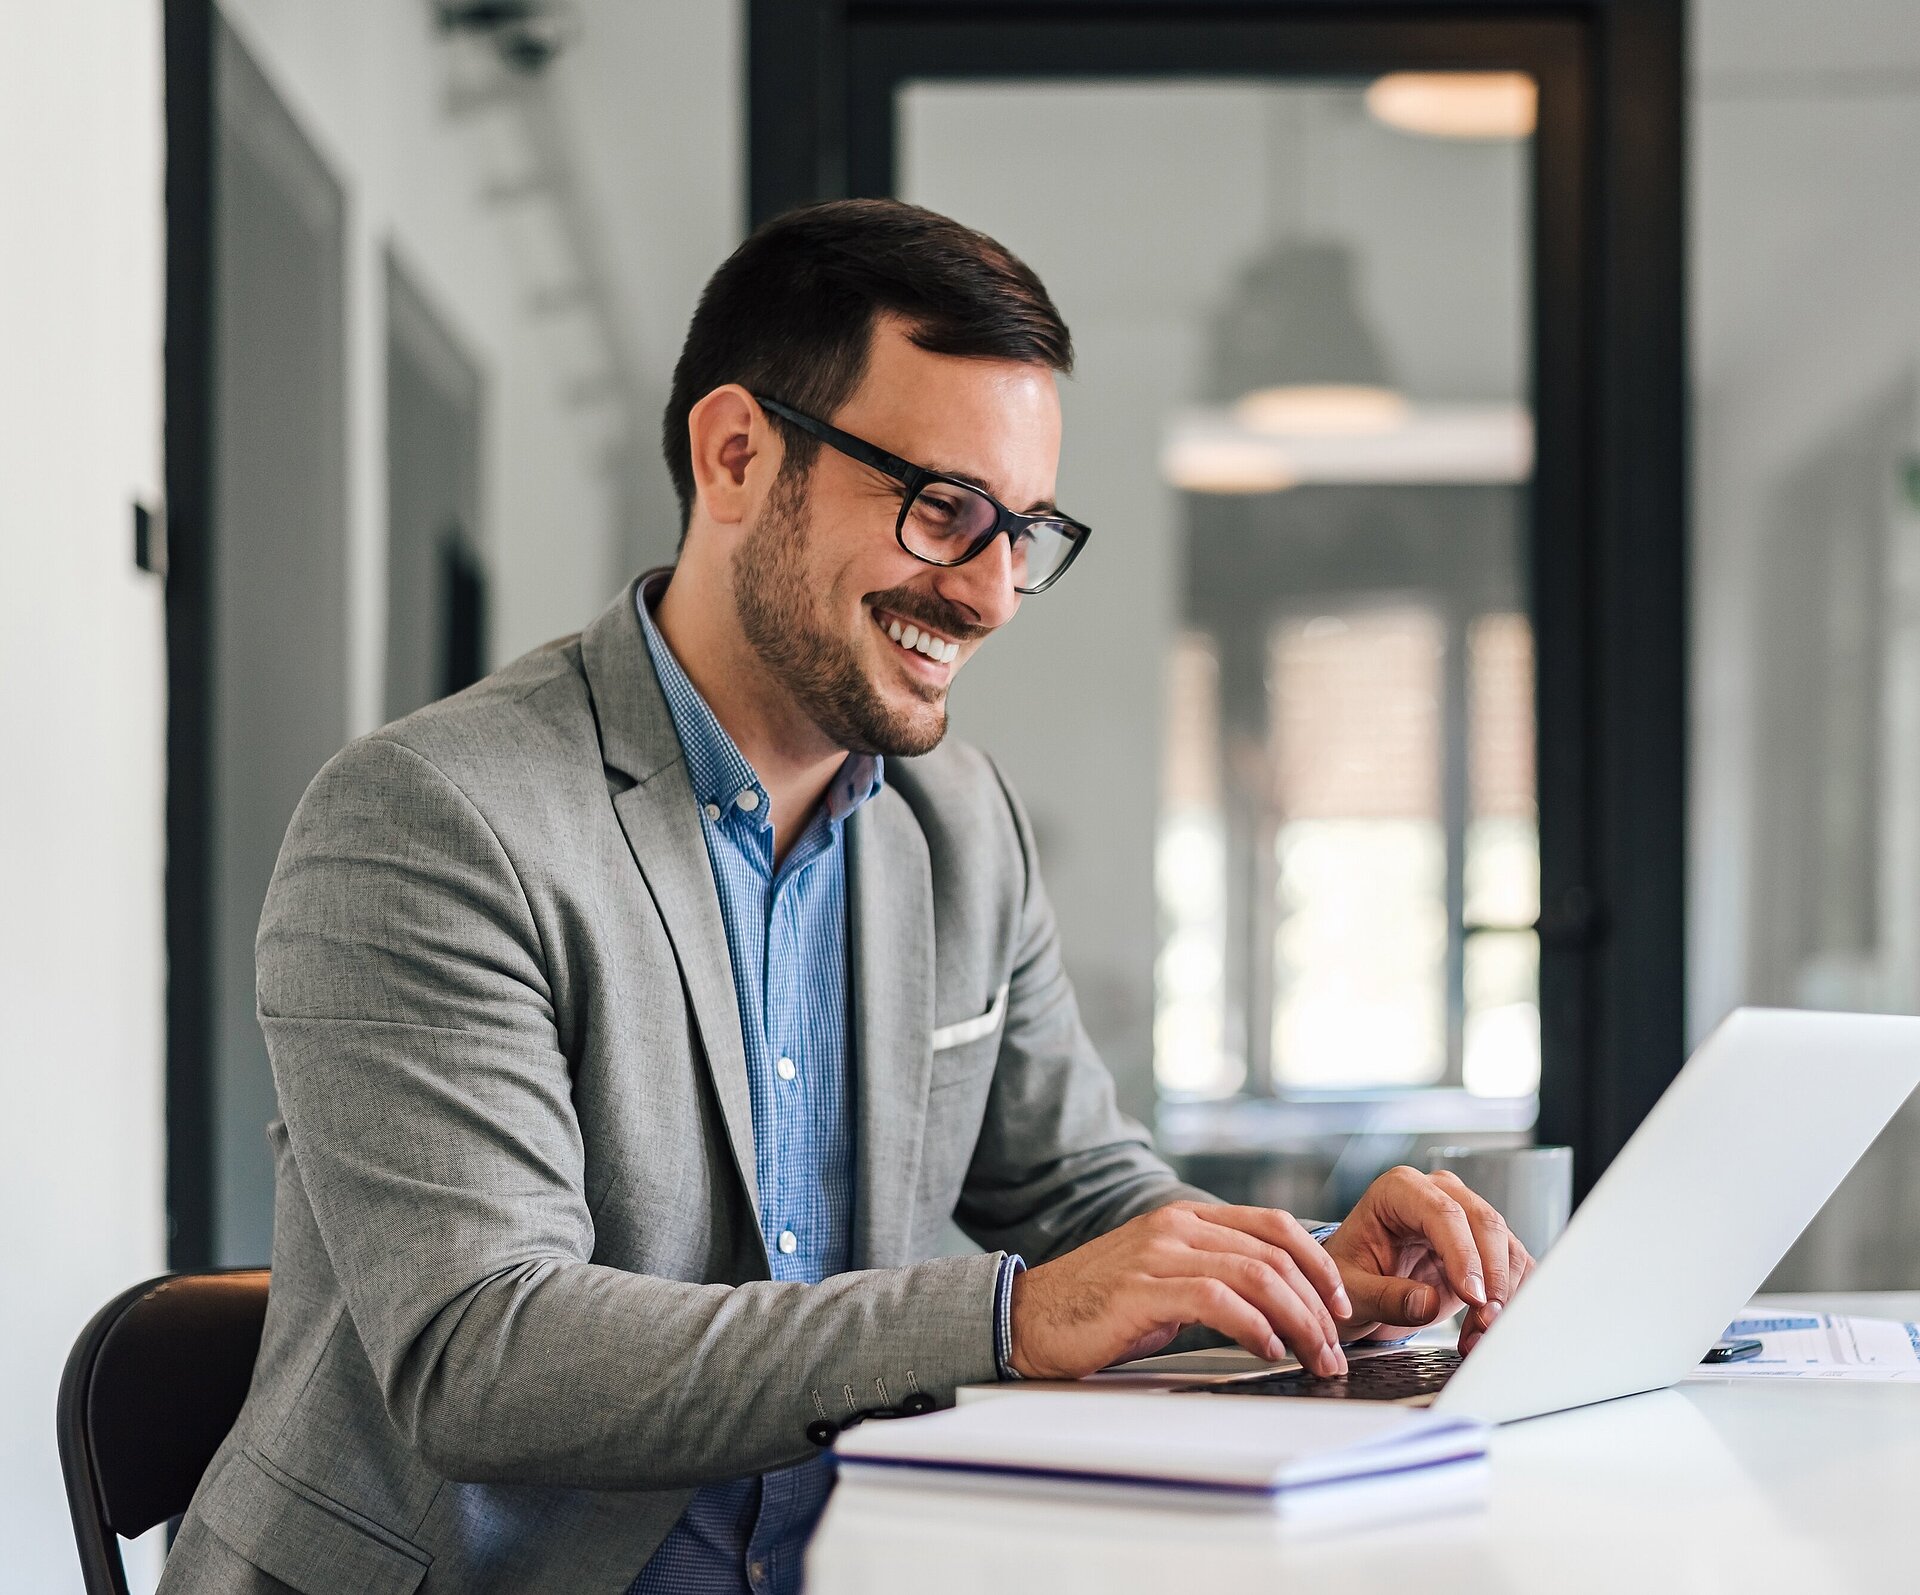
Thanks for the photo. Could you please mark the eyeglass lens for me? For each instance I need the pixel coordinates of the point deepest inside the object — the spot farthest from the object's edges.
(945, 520)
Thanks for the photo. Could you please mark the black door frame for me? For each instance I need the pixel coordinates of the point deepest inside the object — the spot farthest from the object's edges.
(1610, 584)
(189, 33)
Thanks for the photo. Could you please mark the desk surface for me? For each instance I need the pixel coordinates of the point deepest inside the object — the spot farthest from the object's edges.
(1737, 1489)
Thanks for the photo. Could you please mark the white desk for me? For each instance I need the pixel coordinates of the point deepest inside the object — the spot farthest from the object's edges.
(1735, 1489)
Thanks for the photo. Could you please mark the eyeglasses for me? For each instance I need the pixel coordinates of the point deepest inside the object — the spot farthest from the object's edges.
(945, 521)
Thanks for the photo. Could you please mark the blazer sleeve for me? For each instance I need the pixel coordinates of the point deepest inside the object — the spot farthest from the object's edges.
(429, 1112)
(1056, 1162)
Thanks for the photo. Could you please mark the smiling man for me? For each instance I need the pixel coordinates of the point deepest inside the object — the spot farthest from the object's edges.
(641, 1017)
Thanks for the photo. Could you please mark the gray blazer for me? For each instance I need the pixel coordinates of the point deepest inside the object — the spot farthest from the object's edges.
(521, 1306)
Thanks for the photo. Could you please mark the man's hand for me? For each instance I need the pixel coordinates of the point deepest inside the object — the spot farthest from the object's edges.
(1419, 1245)
(1252, 1273)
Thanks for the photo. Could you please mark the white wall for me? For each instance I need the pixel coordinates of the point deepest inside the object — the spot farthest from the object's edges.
(645, 108)
(655, 102)
(82, 675)
(369, 81)
(1806, 328)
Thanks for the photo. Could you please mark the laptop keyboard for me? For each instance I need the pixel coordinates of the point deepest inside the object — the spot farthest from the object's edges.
(1388, 1376)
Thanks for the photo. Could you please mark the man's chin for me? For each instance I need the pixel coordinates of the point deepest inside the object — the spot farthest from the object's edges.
(904, 724)
(925, 738)
(909, 736)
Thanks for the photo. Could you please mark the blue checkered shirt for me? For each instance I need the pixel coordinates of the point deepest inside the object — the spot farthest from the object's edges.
(787, 934)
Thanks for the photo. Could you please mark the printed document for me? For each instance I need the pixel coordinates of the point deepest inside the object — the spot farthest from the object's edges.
(1822, 1346)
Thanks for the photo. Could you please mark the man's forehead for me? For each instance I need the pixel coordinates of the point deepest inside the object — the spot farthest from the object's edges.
(996, 422)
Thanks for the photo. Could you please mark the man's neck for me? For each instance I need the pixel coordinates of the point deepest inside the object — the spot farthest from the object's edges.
(794, 760)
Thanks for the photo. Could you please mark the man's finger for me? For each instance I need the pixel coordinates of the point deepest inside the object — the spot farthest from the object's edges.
(1279, 1228)
(1442, 1222)
(1389, 1299)
(1519, 1264)
(1225, 1237)
(1491, 1237)
(1294, 1313)
(1217, 1305)
(1480, 1319)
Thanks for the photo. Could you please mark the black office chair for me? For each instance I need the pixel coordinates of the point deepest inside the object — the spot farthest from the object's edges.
(151, 1388)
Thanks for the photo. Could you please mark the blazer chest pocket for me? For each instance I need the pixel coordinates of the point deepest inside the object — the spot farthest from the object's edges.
(958, 1053)
(297, 1536)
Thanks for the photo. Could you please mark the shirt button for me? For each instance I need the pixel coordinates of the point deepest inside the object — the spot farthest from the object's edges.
(785, 1069)
(748, 800)
(757, 1572)
(789, 1242)
(713, 811)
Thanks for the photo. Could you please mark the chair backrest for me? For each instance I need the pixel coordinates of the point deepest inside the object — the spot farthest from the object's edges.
(150, 1390)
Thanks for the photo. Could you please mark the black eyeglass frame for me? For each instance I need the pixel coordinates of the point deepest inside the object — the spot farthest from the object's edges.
(912, 478)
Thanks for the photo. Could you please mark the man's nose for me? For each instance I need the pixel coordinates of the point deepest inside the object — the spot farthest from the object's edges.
(983, 585)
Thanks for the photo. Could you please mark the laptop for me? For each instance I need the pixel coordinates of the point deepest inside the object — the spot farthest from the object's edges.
(1731, 1165)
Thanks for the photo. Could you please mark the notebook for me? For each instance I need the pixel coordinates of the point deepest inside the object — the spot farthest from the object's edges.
(1302, 1458)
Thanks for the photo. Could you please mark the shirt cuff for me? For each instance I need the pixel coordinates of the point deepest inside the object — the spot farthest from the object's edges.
(1320, 1232)
(1010, 1265)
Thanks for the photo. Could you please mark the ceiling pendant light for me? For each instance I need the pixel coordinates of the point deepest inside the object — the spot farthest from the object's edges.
(1471, 105)
(1328, 409)
(1292, 352)
(1211, 460)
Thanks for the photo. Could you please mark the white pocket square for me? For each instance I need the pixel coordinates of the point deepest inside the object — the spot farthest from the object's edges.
(965, 1030)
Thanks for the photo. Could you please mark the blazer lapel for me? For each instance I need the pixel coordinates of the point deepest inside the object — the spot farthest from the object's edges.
(662, 826)
(891, 929)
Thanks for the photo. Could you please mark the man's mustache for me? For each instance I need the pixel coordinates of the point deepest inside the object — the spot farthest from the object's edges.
(923, 609)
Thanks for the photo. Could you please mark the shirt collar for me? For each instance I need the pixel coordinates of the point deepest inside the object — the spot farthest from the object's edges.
(718, 771)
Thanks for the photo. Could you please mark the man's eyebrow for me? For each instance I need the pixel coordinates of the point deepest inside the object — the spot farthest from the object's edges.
(1044, 506)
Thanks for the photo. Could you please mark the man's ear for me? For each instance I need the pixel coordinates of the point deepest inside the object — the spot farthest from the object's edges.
(727, 434)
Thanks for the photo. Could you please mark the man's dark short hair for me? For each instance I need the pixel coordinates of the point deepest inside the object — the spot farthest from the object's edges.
(791, 313)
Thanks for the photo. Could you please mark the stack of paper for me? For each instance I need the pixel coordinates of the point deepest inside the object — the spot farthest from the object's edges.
(1215, 1451)
(1796, 1345)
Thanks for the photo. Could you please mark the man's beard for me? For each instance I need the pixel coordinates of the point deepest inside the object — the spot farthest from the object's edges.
(773, 598)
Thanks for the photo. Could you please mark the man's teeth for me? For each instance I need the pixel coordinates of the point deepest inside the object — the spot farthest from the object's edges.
(923, 642)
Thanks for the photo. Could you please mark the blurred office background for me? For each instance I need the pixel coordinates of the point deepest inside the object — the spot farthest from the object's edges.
(1283, 766)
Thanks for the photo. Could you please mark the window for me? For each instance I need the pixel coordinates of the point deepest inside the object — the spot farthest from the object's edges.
(1393, 925)
(1360, 854)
